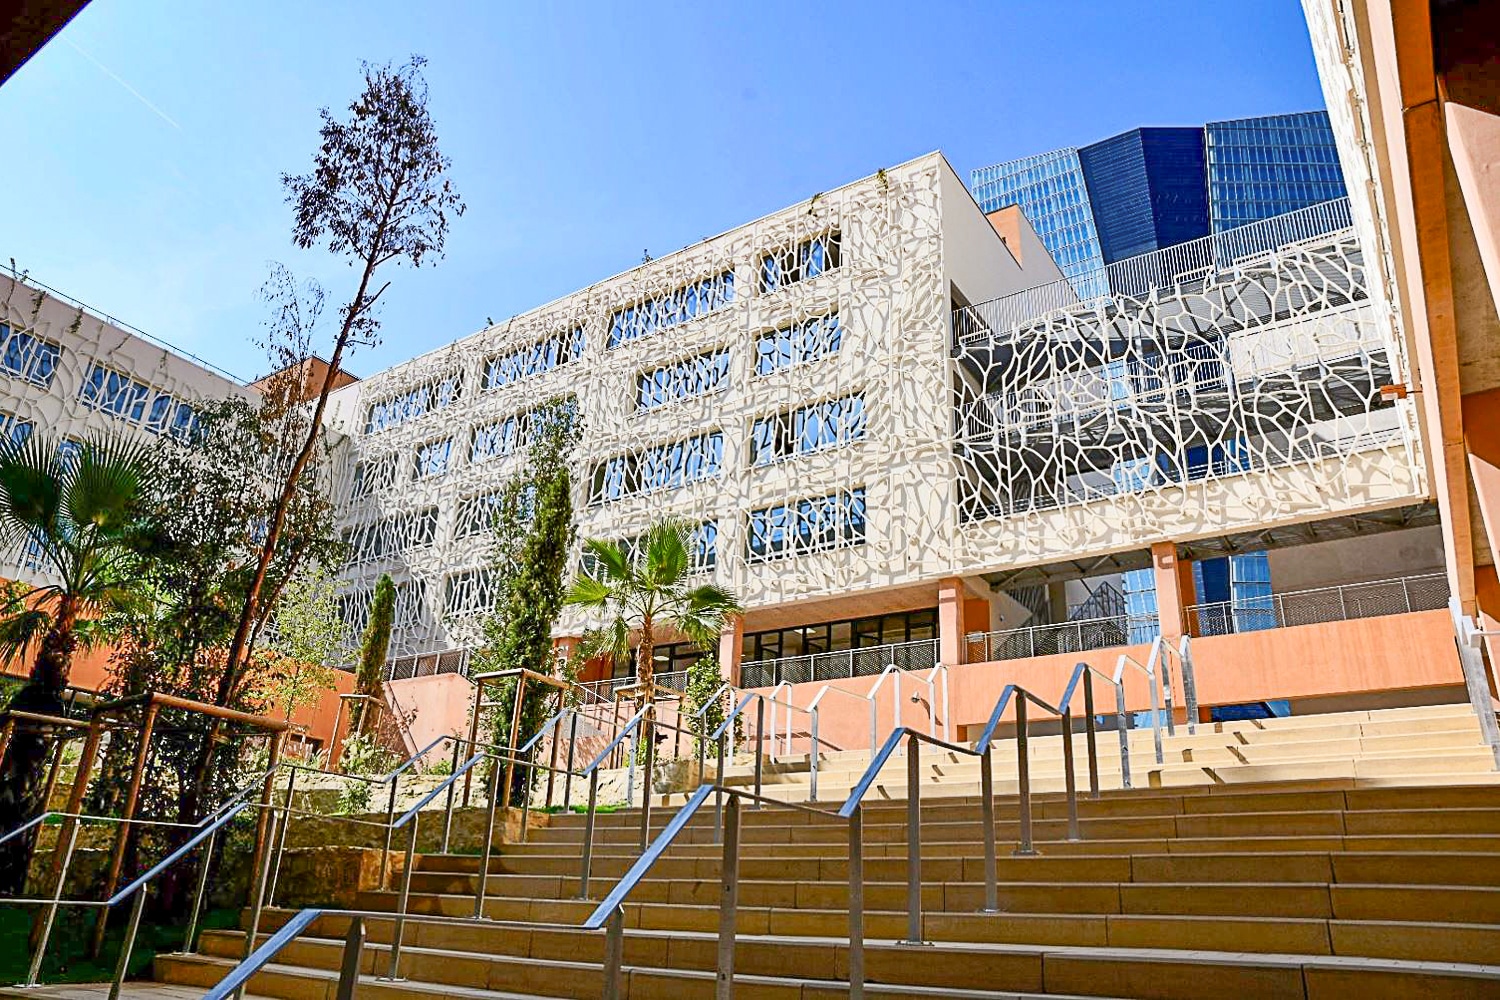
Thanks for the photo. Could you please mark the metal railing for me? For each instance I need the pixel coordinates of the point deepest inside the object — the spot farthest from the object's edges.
(1402, 595)
(205, 832)
(1048, 640)
(827, 688)
(893, 674)
(864, 661)
(1150, 671)
(1184, 266)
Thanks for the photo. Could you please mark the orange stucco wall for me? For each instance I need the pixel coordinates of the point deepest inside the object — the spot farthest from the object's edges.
(429, 707)
(1367, 655)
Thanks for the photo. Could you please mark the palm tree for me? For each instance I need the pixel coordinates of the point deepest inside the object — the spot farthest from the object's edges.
(77, 515)
(646, 590)
(74, 514)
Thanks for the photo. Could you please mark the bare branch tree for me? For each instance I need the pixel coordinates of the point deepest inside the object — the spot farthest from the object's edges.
(378, 194)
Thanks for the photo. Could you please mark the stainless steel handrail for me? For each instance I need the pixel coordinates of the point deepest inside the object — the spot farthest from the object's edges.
(1126, 660)
(983, 747)
(895, 671)
(826, 688)
(1085, 673)
(207, 830)
(610, 913)
(642, 725)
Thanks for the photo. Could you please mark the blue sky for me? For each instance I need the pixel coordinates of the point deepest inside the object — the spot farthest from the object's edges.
(144, 143)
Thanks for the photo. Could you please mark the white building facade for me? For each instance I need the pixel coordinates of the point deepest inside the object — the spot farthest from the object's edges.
(869, 394)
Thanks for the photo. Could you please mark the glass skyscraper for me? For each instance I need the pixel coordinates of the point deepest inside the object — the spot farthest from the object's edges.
(1051, 190)
(1146, 190)
(1260, 167)
(1152, 188)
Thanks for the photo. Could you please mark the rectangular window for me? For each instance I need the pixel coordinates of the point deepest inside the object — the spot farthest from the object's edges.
(390, 536)
(495, 440)
(373, 475)
(798, 343)
(113, 392)
(433, 458)
(534, 359)
(693, 377)
(807, 429)
(476, 515)
(29, 357)
(663, 311)
(799, 262)
(664, 467)
(428, 397)
(810, 525)
(468, 591)
(14, 429)
(703, 551)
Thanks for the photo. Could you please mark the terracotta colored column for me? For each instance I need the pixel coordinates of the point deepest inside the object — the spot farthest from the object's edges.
(951, 621)
(731, 645)
(1171, 594)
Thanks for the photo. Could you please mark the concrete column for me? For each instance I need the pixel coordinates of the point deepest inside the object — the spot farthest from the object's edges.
(951, 621)
(1171, 594)
(731, 646)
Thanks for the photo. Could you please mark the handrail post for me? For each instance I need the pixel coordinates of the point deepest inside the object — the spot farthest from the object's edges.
(448, 808)
(729, 896)
(1070, 780)
(41, 945)
(987, 818)
(572, 742)
(1090, 728)
(648, 733)
(286, 822)
(399, 929)
(588, 835)
(354, 944)
(526, 797)
(913, 841)
(487, 848)
(1023, 776)
(127, 945)
(856, 904)
(1156, 717)
(390, 829)
(1122, 726)
(760, 719)
(614, 953)
(197, 910)
(1189, 684)
(812, 790)
(719, 792)
(258, 897)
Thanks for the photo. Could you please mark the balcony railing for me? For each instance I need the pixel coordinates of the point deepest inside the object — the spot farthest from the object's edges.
(1428, 592)
(865, 661)
(604, 690)
(1064, 637)
(451, 661)
(1185, 265)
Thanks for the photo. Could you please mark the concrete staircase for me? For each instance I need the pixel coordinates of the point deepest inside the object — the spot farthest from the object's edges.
(1439, 743)
(1327, 887)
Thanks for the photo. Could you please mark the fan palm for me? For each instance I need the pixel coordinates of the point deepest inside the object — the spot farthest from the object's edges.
(76, 516)
(646, 590)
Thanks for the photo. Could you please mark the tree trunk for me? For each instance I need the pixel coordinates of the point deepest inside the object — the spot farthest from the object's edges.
(23, 772)
(644, 663)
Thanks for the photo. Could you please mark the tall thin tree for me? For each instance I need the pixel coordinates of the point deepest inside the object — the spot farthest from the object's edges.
(378, 194)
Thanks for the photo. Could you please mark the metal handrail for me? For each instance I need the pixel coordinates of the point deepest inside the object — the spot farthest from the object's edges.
(895, 671)
(640, 728)
(817, 698)
(1156, 702)
(207, 830)
(1086, 673)
(610, 913)
(852, 808)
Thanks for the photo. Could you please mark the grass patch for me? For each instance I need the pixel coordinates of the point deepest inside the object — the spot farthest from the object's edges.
(67, 959)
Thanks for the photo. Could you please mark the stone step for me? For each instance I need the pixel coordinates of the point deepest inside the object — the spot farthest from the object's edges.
(563, 962)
